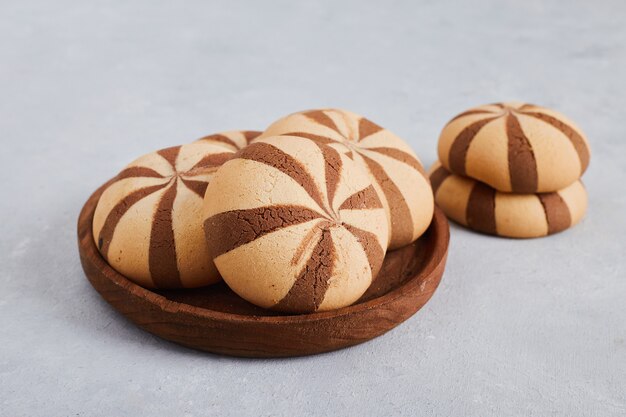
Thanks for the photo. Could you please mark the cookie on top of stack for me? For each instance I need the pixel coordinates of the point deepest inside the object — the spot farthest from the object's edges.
(511, 169)
(297, 219)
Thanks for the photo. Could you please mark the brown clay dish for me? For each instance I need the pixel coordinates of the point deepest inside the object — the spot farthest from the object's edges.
(216, 320)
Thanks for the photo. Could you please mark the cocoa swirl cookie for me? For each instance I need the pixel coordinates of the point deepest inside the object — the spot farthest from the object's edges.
(515, 147)
(298, 226)
(233, 140)
(397, 173)
(148, 222)
(484, 209)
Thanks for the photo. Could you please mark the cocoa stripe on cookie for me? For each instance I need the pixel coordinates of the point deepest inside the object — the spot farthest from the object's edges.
(309, 289)
(162, 252)
(438, 177)
(238, 227)
(170, 154)
(220, 138)
(234, 140)
(401, 156)
(371, 246)
(317, 138)
(198, 187)
(135, 172)
(250, 135)
(401, 226)
(211, 161)
(320, 117)
(458, 150)
(311, 236)
(332, 167)
(577, 141)
(557, 213)
(481, 208)
(367, 128)
(274, 157)
(115, 215)
(366, 198)
(522, 165)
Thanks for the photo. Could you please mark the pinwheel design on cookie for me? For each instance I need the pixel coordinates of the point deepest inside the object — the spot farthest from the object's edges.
(298, 226)
(148, 224)
(397, 174)
(515, 147)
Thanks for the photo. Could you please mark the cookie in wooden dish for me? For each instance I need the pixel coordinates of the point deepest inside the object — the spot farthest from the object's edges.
(515, 147)
(397, 173)
(484, 209)
(233, 139)
(148, 222)
(298, 226)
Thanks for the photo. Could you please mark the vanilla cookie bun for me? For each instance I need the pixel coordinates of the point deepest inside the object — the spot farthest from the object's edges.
(298, 226)
(484, 209)
(515, 147)
(233, 140)
(148, 221)
(397, 173)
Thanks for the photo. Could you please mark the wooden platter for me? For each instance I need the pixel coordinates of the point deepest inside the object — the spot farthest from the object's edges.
(215, 319)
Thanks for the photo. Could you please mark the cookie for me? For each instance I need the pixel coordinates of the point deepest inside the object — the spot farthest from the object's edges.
(148, 222)
(482, 208)
(233, 140)
(515, 147)
(397, 173)
(298, 226)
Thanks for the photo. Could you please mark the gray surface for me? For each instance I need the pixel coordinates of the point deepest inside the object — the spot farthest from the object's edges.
(533, 328)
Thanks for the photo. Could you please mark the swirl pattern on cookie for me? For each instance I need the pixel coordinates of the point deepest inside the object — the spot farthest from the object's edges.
(298, 227)
(397, 173)
(515, 147)
(148, 222)
(484, 209)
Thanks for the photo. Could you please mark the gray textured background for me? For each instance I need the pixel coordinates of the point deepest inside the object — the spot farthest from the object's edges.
(527, 328)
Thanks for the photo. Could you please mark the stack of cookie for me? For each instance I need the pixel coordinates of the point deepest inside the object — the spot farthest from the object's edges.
(511, 169)
(296, 219)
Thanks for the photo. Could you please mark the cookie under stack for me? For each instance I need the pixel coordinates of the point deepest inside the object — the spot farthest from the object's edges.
(511, 169)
